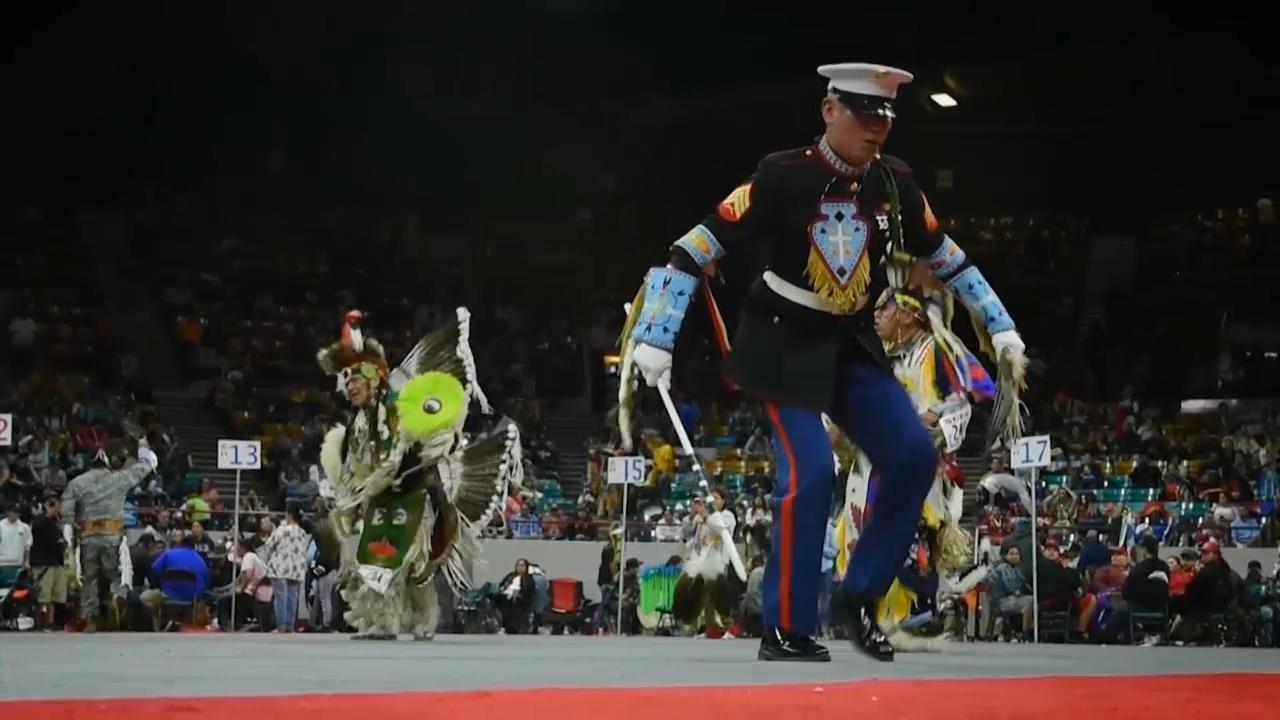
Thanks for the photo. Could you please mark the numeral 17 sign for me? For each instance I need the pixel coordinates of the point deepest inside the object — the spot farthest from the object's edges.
(1030, 452)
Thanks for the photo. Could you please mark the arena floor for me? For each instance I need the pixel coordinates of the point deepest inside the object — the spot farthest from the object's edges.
(245, 676)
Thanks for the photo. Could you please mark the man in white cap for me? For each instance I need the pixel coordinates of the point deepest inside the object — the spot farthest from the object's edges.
(836, 223)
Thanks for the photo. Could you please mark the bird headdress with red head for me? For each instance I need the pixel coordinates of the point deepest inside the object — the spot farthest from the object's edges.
(354, 354)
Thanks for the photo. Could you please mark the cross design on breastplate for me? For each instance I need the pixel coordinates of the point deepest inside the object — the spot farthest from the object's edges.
(843, 241)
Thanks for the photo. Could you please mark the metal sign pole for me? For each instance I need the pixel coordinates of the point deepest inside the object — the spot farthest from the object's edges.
(1035, 554)
(622, 553)
(235, 537)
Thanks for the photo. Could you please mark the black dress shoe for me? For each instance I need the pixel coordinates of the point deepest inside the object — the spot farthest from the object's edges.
(860, 625)
(785, 647)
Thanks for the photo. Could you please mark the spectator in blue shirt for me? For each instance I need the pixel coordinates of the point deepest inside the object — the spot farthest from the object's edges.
(182, 557)
(525, 524)
(1245, 530)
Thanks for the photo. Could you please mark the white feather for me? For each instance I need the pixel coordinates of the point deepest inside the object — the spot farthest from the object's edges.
(626, 388)
(469, 361)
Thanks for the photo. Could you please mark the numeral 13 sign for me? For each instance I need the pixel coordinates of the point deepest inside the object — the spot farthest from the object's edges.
(239, 455)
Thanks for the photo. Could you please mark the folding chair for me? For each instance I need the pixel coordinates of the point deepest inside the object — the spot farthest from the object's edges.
(567, 601)
(1141, 618)
(178, 575)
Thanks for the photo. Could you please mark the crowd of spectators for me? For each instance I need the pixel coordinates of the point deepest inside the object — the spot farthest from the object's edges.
(1093, 592)
(1124, 469)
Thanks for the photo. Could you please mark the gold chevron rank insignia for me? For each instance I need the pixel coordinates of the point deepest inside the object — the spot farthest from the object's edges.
(735, 206)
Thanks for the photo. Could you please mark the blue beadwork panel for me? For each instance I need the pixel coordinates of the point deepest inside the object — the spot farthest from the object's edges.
(947, 260)
(979, 299)
(702, 246)
(667, 295)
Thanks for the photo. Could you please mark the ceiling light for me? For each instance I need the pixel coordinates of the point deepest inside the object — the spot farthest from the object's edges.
(943, 100)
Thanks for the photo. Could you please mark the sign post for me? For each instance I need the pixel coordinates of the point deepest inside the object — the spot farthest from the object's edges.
(6, 429)
(624, 470)
(1032, 453)
(237, 455)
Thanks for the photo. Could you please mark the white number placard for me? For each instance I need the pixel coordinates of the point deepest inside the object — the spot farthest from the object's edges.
(626, 470)
(1030, 452)
(239, 455)
(953, 426)
(6, 429)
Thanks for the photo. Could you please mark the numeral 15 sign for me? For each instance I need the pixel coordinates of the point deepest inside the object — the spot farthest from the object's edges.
(239, 455)
(1030, 452)
(626, 470)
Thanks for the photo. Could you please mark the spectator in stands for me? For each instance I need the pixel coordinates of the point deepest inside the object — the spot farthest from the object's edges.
(1093, 553)
(1210, 590)
(141, 556)
(1182, 568)
(48, 561)
(758, 446)
(201, 541)
(524, 524)
(1245, 529)
(1010, 593)
(197, 509)
(664, 467)
(166, 584)
(1145, 474)
(15, 546)
(1146, 589)
(286, 555)
(758, 525)
(38, 460)
(209, 493)
(266, 527)
(300, 481)
(162, 528)
(12, 488)
(668, 529)
(553, 524)
(1110, 579)
(1147, 585)
(581, 527)
(1060, 587)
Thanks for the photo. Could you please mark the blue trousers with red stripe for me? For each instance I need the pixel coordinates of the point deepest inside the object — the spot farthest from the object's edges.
(876, 413)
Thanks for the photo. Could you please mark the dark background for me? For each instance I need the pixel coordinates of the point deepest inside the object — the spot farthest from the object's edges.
(634, 116)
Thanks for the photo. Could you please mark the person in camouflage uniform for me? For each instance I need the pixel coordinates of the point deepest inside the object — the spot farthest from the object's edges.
(93, 505)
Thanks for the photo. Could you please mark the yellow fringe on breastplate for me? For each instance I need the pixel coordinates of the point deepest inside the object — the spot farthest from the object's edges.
(847, 297)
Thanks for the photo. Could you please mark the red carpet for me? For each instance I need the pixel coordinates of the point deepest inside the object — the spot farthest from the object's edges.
(1147, 698)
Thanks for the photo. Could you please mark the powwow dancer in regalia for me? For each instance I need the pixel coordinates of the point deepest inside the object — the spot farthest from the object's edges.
(402, 467)
(940, 375)
(705, 590)
(93, 521)
(830, 221)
